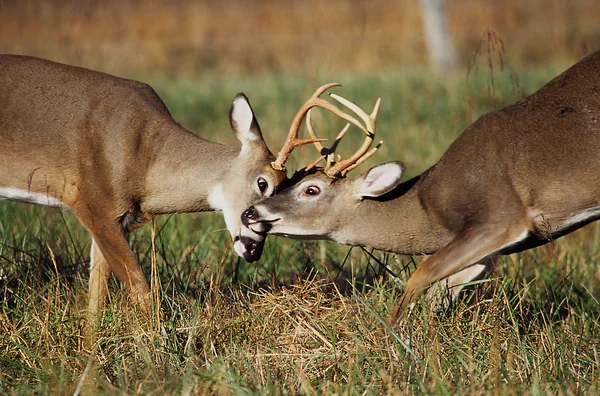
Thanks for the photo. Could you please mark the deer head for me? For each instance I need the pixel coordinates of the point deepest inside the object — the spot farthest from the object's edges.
(258, 179)
(312, 186)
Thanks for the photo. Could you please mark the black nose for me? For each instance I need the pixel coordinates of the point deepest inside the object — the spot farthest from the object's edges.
(249, 214)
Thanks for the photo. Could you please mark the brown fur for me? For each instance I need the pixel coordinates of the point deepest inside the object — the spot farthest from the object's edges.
(515, 179)
(108, 148)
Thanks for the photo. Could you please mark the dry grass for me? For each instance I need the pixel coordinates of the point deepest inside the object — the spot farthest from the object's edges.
(195, 37)
(308, 338)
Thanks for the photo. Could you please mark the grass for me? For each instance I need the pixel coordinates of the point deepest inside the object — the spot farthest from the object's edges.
(307, 318)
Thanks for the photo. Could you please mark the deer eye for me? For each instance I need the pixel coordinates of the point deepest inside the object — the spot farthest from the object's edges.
(262, 185)
(312, 191)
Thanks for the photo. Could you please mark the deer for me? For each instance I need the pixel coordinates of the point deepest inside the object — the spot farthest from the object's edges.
(108, 149)
(515, 179)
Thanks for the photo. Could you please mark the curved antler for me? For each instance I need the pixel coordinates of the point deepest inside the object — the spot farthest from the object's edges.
(342, 167)
(327, 153)
(293, 141)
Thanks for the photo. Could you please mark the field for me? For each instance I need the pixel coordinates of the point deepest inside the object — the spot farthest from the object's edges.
(308, 317)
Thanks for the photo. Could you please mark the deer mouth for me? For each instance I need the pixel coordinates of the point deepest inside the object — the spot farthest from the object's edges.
(249, 248)
(261, 227)
(252, 249)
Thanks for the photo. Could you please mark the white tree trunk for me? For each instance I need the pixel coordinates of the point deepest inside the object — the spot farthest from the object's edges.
(439, 44)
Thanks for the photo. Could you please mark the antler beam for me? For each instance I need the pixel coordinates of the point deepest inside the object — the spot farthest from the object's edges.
(293, 141)
(339, 169)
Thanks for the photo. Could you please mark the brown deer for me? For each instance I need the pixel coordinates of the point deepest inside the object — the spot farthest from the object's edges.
(515, 179)
(107, 148)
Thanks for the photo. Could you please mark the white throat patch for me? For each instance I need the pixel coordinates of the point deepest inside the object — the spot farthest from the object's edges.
(216, 199)
(218, 203)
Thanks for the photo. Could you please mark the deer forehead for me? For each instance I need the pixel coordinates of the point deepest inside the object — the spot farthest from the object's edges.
(278, 176)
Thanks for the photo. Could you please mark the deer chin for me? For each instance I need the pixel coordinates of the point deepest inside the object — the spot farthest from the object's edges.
(250, 249)
(249, 244)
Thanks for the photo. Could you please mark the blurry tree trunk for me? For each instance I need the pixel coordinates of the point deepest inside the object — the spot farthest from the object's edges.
(437, 34)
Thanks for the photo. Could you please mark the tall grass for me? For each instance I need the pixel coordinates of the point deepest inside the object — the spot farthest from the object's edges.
(308, 316)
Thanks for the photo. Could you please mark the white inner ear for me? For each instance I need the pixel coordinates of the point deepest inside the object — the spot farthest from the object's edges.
(242, 116)
(380, 179)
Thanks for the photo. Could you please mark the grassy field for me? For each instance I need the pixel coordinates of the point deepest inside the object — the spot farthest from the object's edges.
(308, 316)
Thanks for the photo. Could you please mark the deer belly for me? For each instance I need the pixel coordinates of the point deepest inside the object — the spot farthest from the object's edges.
(582, 218)
(555, 225)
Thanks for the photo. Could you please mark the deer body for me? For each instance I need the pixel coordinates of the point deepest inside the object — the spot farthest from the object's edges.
(108, 149)
(515, 179)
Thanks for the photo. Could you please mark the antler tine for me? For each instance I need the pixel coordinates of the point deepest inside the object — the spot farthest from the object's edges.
(344, 166)
(362, 159)
(312, 133)
(368, 119)
(293, 141)
(327, 153)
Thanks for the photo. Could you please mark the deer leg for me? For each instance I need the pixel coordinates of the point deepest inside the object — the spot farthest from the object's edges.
(110, 240)
(98, 289)
(99, 274)
(469, 247)
(450, 287)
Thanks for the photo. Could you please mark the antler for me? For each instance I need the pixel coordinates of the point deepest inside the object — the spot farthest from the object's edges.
(342, 167)
(292, 139)
(327, 153)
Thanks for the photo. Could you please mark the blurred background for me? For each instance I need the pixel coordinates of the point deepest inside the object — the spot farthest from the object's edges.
(191, 38)
(198, 54)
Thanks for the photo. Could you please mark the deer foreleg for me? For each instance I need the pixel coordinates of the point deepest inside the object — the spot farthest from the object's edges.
(111, 242)
(99, 274)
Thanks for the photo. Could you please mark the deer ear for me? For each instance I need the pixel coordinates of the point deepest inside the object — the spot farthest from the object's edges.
(380, 179)
(243, 122)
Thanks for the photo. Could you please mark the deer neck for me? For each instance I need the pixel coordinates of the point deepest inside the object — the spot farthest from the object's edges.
(396, 223)
(185, 170)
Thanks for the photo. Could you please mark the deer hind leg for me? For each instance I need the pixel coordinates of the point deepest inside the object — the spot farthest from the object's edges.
(99, 274)
(98, 289)
(468, 248)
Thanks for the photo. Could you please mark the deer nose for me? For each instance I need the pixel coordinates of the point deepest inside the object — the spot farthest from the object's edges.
(249, 214)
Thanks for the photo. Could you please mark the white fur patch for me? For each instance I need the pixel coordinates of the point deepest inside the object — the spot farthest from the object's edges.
(251, 136)
(239, 248)
(216, 199)
(92, 257)
(15, 194)
(218, 203)
(242, 115)
(293, 233)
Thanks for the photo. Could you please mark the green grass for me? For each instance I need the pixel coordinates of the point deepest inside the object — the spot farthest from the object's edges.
(308, 316)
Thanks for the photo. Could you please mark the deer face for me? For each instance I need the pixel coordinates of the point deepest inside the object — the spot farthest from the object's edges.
(319, 207)
(249, 179)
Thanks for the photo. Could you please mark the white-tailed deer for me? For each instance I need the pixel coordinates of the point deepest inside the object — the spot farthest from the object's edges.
(515, 179)
(107, 148)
